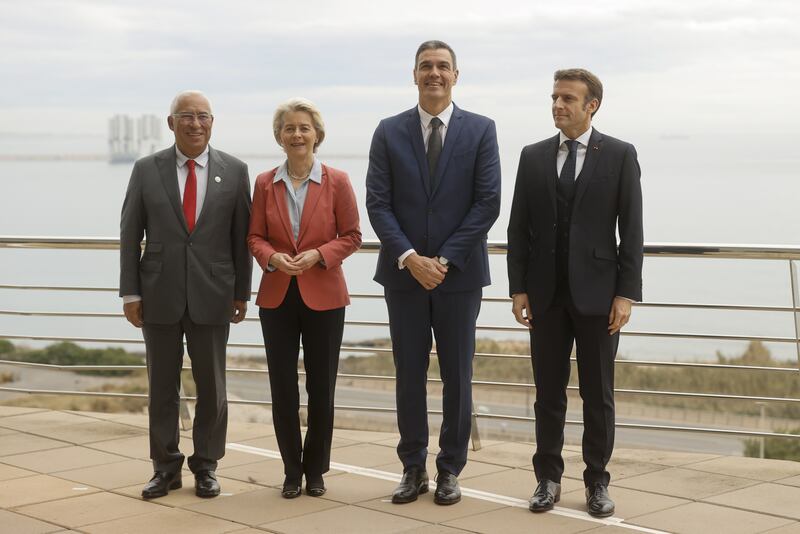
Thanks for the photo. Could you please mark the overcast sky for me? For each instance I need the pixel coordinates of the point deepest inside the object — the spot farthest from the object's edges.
(695, 68)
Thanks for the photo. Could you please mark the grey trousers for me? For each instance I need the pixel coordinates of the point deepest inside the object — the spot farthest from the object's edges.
(206, 348)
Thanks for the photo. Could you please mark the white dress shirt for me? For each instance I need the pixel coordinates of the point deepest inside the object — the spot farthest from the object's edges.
(201, 172)
(425, 123)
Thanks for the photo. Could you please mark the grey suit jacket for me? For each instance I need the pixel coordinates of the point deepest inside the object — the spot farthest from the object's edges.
(203, 271)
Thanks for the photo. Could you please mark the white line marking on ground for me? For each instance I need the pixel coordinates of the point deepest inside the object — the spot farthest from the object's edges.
(475, 494)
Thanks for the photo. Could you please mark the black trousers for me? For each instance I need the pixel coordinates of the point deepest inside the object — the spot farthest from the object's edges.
(321, 333)
(206, 347)
(553, 334)
(452, 317)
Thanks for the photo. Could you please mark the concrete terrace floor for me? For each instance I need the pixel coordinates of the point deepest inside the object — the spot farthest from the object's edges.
(82, 472)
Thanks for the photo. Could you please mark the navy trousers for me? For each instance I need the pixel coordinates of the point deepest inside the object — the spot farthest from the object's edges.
(414, 316)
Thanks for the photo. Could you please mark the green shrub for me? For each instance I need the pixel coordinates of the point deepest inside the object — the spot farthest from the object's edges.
(775, 448)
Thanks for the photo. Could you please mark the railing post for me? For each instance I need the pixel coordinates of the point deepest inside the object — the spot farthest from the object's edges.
(185, 411)
(474, 432)
(795, 304)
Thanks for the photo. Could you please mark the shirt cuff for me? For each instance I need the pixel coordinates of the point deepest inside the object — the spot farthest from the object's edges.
(127, 299)
(625, 298)
(401, 260)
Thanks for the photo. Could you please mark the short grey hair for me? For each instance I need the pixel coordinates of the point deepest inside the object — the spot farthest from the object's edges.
(298, 104)
(173, 107)
(435, 45)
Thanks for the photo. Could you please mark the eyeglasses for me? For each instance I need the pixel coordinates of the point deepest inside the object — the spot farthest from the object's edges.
(188, 118)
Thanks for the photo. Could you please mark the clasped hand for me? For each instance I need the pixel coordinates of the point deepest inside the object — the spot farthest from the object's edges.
(296, 265)
(427, 271)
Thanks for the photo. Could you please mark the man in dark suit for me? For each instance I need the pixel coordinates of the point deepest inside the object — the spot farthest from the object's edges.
(433, 192)
(193, 203)
(571, 282)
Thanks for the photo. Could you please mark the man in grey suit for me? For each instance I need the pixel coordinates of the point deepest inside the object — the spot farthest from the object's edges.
(193, 204)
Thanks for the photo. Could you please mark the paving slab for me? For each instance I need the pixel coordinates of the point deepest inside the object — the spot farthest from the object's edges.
(424, 509)
(89, 432)
(680, 482)
(6, 411)
(435, 529)
(755, 468)
(367, 436)
(518, 483)
(519, 521)
(61, 459)
(41, 420)
(264, 472)
(667, 458)
(165, 520)
(351, 519)
(698, 518)
(349, 488)
(133, 447)
(365, 455)
(506, 453)
(261, 506)
(765, 498)
(9, 472)
(133, 419)
(792, 528)
(87, 509)
(618, 467)
(20, 442)
(185, 496)
(20, 524)
(790, 481)
(239, 431)
(629, 503)
(271, 442)
(39, 488)
(111, 476)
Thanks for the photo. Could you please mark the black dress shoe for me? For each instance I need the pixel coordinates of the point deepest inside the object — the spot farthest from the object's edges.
(447, 490)
(291, 489)
(205, 484)
(598, 502)
(161, 483)
(547, 494)
(414, 482)
(315, 486)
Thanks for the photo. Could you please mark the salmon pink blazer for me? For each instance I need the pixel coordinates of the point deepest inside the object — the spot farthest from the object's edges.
(330, 224)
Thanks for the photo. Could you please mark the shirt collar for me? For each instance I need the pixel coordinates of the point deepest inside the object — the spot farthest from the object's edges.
(283, 172)
(201, 160)
(444, 116)
(583, 139)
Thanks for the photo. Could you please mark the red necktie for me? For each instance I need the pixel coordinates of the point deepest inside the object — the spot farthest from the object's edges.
(190, 196)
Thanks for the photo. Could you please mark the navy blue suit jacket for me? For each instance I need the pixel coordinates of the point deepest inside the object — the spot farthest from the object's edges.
(450, 221)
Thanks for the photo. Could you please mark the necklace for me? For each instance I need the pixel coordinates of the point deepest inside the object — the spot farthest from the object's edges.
(298, 178)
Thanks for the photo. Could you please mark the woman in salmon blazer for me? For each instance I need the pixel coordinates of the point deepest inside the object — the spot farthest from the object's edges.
(303, 225)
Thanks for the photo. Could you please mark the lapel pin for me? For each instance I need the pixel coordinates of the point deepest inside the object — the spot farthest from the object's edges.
(595, 147)
(217, 179)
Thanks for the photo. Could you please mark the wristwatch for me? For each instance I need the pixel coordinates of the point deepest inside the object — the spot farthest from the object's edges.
(444, 261)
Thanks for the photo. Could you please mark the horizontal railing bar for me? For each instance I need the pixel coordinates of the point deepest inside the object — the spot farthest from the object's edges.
(486, 383)
(669, 249)
(493, 328)
(377, 409)
(379, 296)
(382, 350)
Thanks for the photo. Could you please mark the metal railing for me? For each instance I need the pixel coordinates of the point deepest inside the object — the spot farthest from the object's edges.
(788, 254)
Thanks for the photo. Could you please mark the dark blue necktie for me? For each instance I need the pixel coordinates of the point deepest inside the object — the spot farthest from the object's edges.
(567, 175)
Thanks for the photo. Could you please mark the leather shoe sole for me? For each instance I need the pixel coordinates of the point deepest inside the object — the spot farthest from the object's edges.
(445, 500)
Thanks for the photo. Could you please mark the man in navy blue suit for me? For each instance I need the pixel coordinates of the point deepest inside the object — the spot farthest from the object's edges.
(433, 192)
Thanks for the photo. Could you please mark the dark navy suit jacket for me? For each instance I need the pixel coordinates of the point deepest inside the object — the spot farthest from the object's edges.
(451, 220)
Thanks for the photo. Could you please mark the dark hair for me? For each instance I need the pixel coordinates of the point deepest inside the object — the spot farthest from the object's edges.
(593, 84)
(434, 45)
